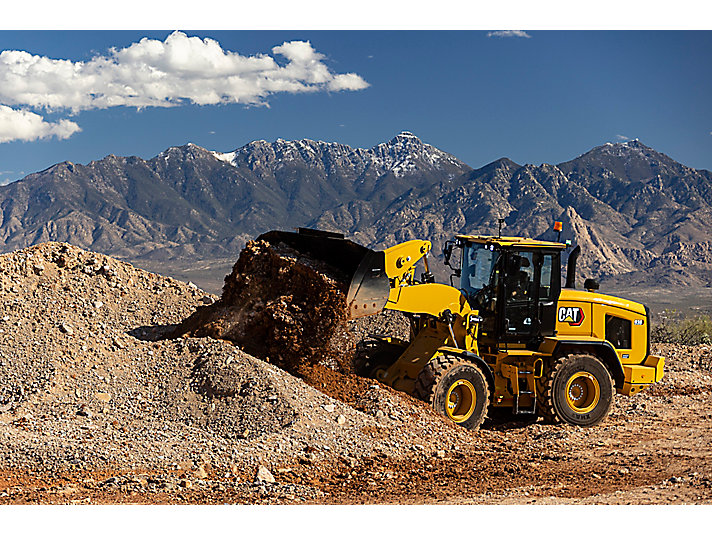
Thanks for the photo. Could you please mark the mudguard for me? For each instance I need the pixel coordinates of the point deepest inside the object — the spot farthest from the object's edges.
(474, 358)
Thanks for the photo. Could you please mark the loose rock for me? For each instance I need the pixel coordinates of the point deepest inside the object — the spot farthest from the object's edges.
(263, 475)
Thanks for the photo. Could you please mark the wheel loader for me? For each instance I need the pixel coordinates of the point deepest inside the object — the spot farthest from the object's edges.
(506, 338)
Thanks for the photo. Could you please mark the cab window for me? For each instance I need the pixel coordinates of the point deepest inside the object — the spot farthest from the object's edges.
(519, 282)
(618, 332)
(545, 292)
(477, 267)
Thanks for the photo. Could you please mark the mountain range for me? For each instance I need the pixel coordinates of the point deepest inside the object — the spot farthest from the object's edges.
(639, 216)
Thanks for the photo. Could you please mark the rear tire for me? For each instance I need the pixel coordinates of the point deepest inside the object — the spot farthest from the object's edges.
(577, 389)
(456, 388)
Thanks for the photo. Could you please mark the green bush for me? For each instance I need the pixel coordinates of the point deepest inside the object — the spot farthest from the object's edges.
(674, 327)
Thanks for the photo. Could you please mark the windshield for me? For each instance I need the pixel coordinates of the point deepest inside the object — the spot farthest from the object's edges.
(477, 263)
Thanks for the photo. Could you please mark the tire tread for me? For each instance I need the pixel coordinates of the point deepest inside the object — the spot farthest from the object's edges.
(426, 384)
(545, 387)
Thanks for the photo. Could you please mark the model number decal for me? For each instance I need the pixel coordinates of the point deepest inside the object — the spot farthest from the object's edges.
(573, 316)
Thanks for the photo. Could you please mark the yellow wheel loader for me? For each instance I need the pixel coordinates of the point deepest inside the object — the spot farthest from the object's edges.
(508, 336)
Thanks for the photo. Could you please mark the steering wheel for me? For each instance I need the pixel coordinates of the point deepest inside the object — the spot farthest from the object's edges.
(482, 297)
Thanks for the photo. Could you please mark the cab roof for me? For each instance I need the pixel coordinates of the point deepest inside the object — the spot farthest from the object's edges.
(508, 241)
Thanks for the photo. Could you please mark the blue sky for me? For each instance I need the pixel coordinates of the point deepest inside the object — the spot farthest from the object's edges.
(539, 96)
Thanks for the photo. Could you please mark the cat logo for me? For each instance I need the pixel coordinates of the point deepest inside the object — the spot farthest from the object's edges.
(573, 316)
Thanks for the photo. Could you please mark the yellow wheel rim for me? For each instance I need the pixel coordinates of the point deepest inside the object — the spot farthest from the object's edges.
(461, 398)
(582, 392)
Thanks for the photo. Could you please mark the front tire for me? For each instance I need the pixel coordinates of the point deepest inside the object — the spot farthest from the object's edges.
(456, 388)
(578, 390)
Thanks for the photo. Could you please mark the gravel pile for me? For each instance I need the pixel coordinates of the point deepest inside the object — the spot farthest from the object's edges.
(90, 382)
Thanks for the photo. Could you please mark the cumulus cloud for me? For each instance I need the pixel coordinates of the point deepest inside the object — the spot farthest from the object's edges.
(23, 125)
(154, 73)
(509, 33)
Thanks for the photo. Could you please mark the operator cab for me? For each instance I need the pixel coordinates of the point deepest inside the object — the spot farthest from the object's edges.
(514, 283)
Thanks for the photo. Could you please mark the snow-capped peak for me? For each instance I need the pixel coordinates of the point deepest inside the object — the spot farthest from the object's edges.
(227, 157)
(403, 154)
(406, 133)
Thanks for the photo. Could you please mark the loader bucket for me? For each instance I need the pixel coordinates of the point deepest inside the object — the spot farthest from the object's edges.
(363, 269)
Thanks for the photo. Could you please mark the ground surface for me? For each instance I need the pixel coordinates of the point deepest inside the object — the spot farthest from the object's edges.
(94, 409)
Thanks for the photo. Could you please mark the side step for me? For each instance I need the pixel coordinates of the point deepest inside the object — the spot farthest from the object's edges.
(516, 410)
(514, 373)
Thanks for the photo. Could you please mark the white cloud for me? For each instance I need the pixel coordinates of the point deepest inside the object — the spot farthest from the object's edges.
(345, 82)
(622, 137)
(509, 33)
(153, 73)
(22, 125)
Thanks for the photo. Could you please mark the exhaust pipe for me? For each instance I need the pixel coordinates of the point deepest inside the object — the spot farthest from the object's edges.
(571, 268)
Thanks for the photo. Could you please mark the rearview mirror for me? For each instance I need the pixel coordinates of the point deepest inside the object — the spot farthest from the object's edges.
(447, 251)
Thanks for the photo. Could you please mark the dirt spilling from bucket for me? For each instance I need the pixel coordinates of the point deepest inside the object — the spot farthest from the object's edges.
(290, 309)
(281, 306)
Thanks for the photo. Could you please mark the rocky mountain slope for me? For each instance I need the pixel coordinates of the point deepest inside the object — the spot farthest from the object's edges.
(189, 203)
(639, 216)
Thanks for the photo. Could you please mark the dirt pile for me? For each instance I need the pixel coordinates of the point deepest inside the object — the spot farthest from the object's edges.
(279, 305)
(76, 342)
(89, 384)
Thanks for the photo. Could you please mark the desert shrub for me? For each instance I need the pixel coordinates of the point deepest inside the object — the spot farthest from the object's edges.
(675, 327)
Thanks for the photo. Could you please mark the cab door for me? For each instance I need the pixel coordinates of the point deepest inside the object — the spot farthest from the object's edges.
(530, 289)
(519, 288)
(549, 268)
